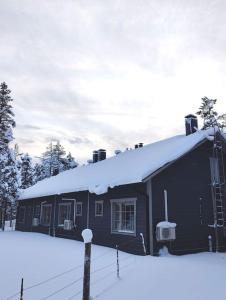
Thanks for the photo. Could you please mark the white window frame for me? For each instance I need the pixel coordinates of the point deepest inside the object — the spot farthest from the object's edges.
(45, 205)
(74, 206)
(76, 212)
(24, 214)
(68, 204)
(101, 202)
(123, 201)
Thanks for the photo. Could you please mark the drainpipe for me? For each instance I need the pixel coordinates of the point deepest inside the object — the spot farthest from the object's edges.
(87, 222)
(54, 216)
(166, 205)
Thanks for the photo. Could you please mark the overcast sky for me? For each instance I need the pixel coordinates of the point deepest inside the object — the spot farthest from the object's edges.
(108, 74)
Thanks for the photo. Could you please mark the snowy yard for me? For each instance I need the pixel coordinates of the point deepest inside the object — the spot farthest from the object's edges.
(38, 258)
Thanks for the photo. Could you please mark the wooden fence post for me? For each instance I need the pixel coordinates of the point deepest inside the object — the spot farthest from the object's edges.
(117, 261)
(22, 289)
(210, 243)
(87, 237)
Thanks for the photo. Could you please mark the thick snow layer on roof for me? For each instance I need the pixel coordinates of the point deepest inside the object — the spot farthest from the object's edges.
(128, 167)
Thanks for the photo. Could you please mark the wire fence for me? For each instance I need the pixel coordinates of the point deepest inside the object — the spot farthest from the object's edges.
(112, 267)
(47, 280)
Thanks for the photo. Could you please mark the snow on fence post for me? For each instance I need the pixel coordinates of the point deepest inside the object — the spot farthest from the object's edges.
(22, 289)
(87, 237)
(117, 261)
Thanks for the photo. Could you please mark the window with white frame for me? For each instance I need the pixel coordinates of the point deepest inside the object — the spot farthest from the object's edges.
(99, 208)
(21, 214)
(64, 213)
(78, 209)
(123, 216)
(46, 210)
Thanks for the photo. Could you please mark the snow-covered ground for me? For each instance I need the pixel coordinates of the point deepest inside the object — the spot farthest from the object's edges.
(38, 258)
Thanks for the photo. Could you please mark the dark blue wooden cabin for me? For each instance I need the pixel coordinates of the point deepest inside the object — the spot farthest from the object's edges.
(189, 168)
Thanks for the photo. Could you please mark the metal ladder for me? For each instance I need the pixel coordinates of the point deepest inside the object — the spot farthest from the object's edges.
(219, 186)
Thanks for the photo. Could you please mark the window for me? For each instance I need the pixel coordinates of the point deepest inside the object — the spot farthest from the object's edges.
(37, 211)
(21, 214)
(78, 208)
(46, 214)
(64, 213)
(214, 168)
(99, 208)
(123, 216)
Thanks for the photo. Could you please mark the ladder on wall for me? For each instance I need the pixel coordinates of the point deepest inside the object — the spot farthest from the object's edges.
(218, 185)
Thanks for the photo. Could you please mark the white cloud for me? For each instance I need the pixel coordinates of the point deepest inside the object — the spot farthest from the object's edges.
(113, 73)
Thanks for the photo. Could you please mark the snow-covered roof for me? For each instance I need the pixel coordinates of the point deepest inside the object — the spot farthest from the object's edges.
(131, 166)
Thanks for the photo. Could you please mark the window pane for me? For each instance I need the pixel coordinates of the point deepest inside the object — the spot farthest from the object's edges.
(64, 213)
(123, 216)
(37, 211)
(99, 208)
(46, 214)
(78, 209)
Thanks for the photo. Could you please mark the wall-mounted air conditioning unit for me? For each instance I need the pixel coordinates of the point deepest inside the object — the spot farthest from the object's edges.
(35, 222)
(68, 225)
(165, 231)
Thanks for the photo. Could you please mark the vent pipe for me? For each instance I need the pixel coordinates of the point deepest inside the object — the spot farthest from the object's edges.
(117, 152)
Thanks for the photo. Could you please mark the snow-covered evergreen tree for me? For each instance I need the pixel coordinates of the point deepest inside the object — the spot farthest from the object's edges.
(70, 162)
(53, 159)
(209, 115)
(39, 172)
(26, 171)
(8, 169)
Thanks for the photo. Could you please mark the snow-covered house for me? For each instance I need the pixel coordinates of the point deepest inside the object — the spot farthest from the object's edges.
(169, 193)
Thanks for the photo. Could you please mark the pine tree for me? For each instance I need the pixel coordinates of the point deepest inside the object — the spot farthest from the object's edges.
(8, 169)
(26, 171)
(70, 162)
(209, 115)
(53, 159)
(39, 173)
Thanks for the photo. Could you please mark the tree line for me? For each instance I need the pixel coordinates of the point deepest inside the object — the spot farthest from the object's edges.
(17, 170)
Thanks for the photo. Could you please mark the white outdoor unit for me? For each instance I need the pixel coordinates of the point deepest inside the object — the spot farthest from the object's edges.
(35, 222)
(165, 231)
(68, 224)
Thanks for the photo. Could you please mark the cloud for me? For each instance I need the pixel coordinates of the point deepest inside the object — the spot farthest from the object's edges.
(78, 140)
(25, 141)
(109, 73)
(28, 127)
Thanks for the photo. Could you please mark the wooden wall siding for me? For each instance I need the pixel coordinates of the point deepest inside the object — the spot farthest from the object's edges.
(186, 181)
(101, 226)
